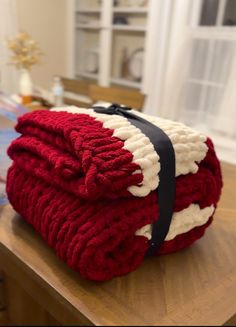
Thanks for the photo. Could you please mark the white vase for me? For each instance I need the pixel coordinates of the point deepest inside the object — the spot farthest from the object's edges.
(25, 84)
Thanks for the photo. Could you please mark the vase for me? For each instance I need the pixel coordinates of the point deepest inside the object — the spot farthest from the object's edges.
(125, 64)
(25, 86)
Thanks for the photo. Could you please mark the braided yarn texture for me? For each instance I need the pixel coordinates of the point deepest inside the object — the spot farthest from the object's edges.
(87, 184)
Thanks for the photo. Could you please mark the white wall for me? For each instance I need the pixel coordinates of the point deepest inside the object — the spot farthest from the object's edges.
(46, 22)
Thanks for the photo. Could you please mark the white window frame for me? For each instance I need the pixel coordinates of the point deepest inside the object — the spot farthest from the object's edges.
(195, 13)
(210, 33)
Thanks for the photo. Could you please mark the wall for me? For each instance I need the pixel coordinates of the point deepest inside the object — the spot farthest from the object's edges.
(46, 22)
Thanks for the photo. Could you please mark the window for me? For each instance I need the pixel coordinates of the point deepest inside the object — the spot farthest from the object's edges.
(230, 13)
(209, 12)
(218, 13)
(212, 56)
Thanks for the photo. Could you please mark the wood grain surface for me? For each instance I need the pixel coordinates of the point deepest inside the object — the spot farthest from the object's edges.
(196, 286)
(127, 97)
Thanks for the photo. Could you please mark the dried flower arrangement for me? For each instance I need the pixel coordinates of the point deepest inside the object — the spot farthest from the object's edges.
(26, 52)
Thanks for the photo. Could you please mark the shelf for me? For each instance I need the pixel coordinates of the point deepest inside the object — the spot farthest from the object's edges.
(114, 27)
(205, 82)
(129, 28)
(88, 11)
(87, 75)
(88, 26)
(96, 24)
(130, 10)
(125, 82)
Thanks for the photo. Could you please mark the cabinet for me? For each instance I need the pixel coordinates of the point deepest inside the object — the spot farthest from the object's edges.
(109, 41)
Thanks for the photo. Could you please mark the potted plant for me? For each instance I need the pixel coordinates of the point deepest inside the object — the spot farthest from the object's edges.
(26, 54)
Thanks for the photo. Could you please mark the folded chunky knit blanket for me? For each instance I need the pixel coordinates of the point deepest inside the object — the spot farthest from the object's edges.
(87, 181)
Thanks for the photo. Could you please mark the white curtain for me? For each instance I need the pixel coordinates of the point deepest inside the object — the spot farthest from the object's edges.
(168, 65)
(198, 83)
(225, 121)
(8, 30)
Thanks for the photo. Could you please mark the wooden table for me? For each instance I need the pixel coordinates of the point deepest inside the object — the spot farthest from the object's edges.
(196, 286)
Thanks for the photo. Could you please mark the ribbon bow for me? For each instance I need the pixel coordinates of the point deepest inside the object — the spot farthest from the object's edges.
(113, 109)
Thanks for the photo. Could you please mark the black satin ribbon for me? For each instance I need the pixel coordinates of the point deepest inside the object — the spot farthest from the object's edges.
(166, 188)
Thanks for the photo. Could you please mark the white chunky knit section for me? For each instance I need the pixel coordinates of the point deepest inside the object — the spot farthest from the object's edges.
(182, 221)
(189, 145)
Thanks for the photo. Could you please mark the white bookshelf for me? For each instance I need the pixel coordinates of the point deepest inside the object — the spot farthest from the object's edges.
(94, 24)
(129, 28)
(88, 26)
(125, 82)
(88, 11)
(131, 10)
(87, 75)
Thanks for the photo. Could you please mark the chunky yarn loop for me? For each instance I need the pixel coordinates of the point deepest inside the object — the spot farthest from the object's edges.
(87, 183)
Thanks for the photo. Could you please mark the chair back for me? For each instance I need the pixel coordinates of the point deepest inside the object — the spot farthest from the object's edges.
(129, 98)
(76, 92)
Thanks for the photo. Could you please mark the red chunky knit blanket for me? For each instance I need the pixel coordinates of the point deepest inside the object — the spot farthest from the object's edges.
(86, 182)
